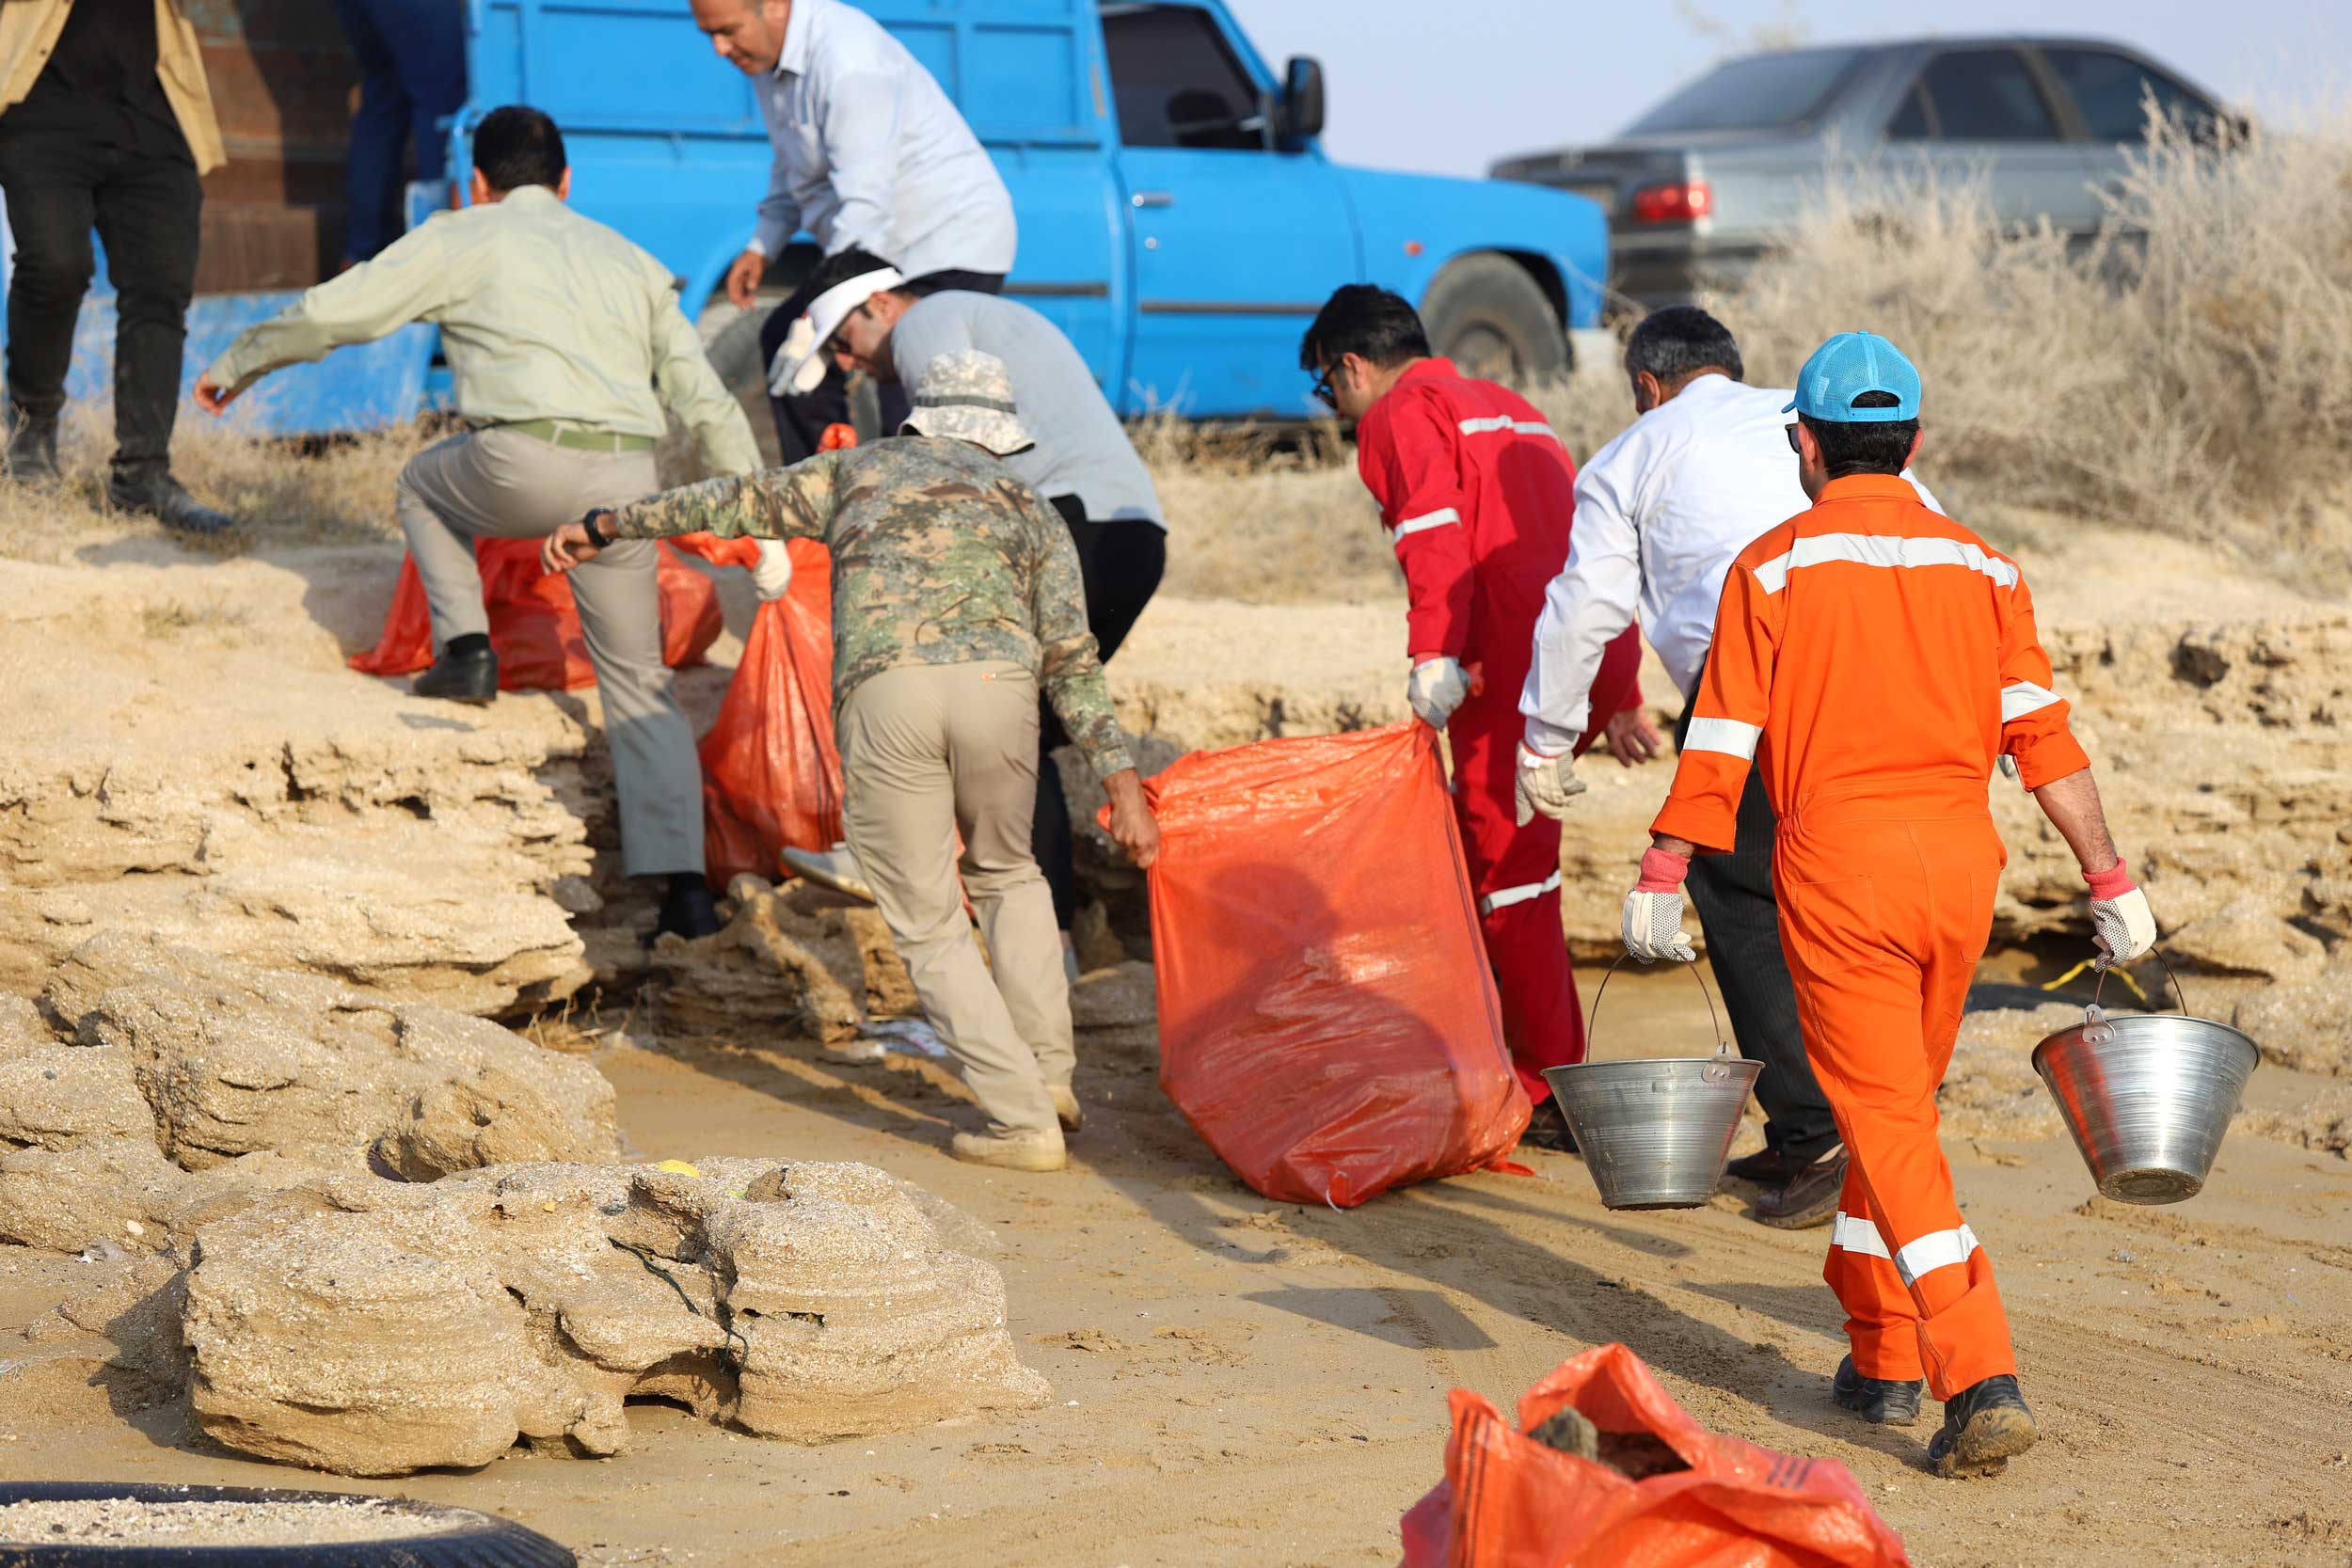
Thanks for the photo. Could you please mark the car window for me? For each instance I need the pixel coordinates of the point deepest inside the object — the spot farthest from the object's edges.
(1759, 92)
(1176, 80)
(2112, 91)
(1976, 95)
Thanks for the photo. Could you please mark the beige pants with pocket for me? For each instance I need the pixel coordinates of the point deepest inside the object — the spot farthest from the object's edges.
(927, 752)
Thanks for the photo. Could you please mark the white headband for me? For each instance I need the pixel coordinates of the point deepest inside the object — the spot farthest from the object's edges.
(828, 310)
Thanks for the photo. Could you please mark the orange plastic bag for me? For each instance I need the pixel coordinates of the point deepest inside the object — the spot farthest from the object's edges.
(771, 776)
(1328, 1022)
(1508, 1501)
(535, 627)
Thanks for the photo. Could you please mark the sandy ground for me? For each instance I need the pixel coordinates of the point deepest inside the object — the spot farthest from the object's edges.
(1238, 1382)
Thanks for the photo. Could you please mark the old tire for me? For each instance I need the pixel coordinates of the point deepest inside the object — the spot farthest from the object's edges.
(1489, 317)
(445, 1537)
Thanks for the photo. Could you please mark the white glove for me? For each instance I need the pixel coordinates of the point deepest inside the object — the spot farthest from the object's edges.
(1653, 911)
(1438, 688)
(2123, 927)
(1545, 785)
(797, 367)
(772, 574)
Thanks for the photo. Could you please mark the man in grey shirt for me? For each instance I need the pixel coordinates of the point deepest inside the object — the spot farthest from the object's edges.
(866, 318)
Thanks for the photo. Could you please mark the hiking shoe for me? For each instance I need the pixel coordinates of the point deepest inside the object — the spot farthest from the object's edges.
(1066, 1110)
(1031, 1152)
(1548, 1129)
(469, 676)
(32, 447)
(837, 868)
(1881, 1401)
(166, 499)
(1807, 1198)
(1985, 1426)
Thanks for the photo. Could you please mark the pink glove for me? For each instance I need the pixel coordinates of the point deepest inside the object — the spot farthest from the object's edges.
(1663, 872)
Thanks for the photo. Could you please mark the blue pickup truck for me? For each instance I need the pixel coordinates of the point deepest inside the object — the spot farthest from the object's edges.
(1178, 216)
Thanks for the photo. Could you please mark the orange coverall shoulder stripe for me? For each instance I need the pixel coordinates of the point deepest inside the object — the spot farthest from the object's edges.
(1873, 659)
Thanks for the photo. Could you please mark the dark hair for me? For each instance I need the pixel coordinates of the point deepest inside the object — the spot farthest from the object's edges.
(1676, 343)
(1366, 320)
(516, 146)
(841, 267)
(1861, 448)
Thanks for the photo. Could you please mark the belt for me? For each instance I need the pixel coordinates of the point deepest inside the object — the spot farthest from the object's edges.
(579, 438)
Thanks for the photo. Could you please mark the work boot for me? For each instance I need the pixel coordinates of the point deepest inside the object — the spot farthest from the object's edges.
(154, 491)
(689, 910)
(32, 447)
(1807, 1198)
(1032, 1152)
(1066, 1110)
(1881, 1401)
(837, 868)
(1985, 1426)
(1548, 1129)
(467, 672)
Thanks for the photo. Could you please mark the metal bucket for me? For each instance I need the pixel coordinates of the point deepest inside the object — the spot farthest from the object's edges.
(2147, 1097)
(1655, 1134)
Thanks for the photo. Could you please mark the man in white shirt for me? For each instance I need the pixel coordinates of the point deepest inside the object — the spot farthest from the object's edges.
(1661, 513)
(870, 152)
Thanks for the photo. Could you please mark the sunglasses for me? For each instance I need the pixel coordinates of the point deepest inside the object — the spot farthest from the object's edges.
(1322, 390)
(836, 343)
(1792, 440)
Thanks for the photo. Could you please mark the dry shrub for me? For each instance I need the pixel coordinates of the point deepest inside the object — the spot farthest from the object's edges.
(2190, 372)
(280, 492)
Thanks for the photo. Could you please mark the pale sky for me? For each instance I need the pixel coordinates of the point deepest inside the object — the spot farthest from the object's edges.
(1446, 85)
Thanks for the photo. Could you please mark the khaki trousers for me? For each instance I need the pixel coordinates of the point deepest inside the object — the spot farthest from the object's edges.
(927, 752)
(509, 485)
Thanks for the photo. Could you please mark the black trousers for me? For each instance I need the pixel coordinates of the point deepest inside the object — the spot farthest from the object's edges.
(1741, 917)
(145, 207)
(802, 418)
(1120, 562)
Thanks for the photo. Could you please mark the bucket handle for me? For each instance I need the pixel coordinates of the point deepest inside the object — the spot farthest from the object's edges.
(1716, 1072)
(2096, 1017)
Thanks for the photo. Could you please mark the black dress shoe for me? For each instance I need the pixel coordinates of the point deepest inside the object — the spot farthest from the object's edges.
(32, 448)
(1807, 1198)
(471, 675)
(1985, 1426)
(1882, 1401)
(1548, 1129)
(166, 499)
(689, 910)
(1769, 1166)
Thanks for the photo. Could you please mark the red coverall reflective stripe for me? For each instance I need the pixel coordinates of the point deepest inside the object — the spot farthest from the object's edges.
(1873, 659)
(1478, 494)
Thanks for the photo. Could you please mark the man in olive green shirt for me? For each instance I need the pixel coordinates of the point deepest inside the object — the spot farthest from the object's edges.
(565, 343)
(956, 598)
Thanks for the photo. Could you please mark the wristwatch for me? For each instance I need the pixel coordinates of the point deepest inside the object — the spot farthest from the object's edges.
(601, 533)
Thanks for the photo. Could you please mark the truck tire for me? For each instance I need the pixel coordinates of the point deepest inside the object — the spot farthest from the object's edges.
(442, 1537)
(1487, 316)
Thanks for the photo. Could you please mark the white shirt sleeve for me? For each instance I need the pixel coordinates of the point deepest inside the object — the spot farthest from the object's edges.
(1592, 601)
(862, 127)
(779, 212)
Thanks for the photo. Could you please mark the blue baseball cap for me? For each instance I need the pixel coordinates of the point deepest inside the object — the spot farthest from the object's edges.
(1848, 365)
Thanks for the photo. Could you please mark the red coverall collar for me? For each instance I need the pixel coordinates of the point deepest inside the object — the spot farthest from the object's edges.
(1435, 368)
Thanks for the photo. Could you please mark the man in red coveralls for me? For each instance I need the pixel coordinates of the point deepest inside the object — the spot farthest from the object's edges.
(1477, 493)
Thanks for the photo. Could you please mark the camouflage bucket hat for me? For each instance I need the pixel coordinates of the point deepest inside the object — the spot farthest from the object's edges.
(968, 397)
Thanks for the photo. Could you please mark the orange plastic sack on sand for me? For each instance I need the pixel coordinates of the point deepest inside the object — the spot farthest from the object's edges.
(1508, 1501)
(1328, 1022)
(534, 628)
(771, 776)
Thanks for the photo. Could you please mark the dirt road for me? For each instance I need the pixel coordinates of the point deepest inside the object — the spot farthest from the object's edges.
(1239, 1381)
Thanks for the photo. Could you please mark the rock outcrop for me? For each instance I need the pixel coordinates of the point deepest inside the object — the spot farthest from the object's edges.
(370, 1327)
(186, 1081)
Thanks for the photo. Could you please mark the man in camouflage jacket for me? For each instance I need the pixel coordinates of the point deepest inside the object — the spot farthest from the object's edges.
(956, 597)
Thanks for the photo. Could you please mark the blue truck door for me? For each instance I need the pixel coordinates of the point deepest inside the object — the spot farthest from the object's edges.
(1021, 71)
(1234, 246)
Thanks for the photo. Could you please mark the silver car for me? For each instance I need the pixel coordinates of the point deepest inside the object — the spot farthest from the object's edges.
(1696, 187)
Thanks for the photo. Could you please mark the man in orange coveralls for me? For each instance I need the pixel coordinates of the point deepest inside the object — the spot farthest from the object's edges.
(1478, 494)
(1874, 657)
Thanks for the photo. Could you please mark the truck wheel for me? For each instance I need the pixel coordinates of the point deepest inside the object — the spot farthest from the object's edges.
(416, 1535)
(1486, 314)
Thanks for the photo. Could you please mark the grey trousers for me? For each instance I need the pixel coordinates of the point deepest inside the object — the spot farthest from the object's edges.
(1740, 916)
(927, 752)
(509, 485)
